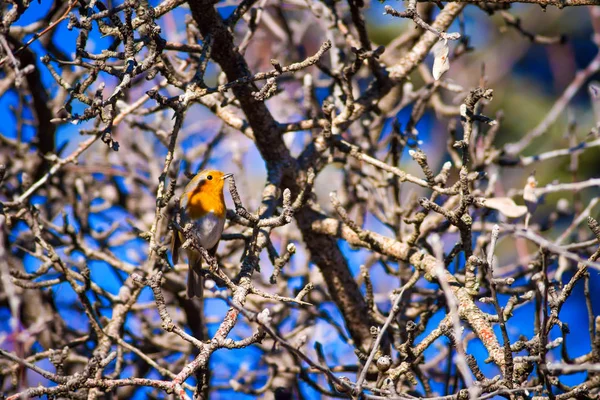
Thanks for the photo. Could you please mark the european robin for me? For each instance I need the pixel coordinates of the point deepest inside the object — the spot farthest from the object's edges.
(203, 204)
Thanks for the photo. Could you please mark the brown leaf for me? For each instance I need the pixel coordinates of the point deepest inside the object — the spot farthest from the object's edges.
(506, 206)
(441, 62)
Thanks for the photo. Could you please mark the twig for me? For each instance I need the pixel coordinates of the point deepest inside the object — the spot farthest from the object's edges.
(411, 12)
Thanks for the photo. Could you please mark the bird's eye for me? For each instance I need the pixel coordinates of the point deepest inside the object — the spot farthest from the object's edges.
(209, 177)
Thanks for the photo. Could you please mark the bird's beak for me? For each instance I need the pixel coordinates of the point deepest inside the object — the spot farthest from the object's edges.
(226, 176)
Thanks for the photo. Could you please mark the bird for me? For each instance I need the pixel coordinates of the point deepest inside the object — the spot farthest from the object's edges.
(203, 204)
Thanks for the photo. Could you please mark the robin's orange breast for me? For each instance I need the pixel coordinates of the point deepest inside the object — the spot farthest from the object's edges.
(202, 201)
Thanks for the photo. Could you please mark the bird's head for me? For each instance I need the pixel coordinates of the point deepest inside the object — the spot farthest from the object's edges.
(208, 182)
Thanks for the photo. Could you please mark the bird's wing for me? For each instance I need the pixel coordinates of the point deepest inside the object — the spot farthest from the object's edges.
(183, 204)
(189, 188)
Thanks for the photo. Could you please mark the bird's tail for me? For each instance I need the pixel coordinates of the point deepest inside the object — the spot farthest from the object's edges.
(195, 284)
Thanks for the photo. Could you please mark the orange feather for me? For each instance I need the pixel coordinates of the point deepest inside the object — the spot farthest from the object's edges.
(207, 197)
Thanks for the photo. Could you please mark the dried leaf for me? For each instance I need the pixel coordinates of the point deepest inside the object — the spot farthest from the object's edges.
(529, 195)
(506, 206)
(441, 62)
